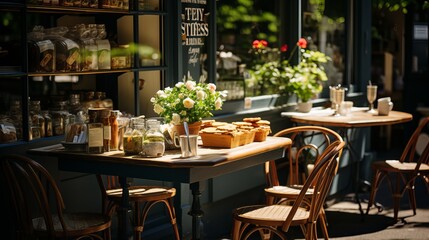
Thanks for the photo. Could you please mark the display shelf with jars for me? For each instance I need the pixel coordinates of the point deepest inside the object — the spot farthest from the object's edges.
(54, 53)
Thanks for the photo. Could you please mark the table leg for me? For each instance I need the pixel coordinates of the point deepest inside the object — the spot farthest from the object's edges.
(124, 232)
(355, 157)
(196, 212)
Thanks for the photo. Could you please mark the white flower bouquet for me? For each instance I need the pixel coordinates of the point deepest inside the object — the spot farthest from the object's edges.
(187, 102)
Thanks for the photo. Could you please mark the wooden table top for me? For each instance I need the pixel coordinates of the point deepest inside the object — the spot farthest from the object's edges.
(359, 117)
(207, 156)
(210, 162)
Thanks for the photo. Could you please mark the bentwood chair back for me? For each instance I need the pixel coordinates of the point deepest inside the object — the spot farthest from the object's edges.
(39, 207)
(401, 174)
(268, 220)
(143, 198)
(308, 143)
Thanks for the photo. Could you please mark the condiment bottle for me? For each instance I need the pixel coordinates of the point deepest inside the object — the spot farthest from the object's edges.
(114, 127)
(107, 131)
(49, 131)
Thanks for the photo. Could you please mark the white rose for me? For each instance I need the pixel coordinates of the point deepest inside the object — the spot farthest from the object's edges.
(218, 103)
(190, 85)
(181, 96)
(161, 94)
(175, 119)
(152, 99)
(211, 87)
(201, 95)
(158, 109)
(179, 84)
(188, 103)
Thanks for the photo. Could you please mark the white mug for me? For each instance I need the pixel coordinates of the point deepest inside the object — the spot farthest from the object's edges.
(385, 105)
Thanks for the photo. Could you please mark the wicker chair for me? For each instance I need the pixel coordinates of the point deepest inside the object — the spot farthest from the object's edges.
(39, 208)
(309, 143)
(143, 199)
(405, 170)
(269, 220)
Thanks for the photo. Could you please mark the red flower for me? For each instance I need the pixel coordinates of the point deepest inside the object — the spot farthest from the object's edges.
(284, 48)
(302, 43)
(259, 43)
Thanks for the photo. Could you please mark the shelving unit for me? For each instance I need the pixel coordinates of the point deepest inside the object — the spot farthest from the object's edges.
(16, 82)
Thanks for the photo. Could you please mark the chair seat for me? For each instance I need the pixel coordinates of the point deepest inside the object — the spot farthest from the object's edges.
(77, 224)
(149, 193)
(286, 191)
(397, 166)
(272, 215)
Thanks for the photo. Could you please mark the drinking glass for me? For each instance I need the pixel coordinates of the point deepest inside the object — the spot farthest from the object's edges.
(371, 94)
(339, 95)
(331, 96)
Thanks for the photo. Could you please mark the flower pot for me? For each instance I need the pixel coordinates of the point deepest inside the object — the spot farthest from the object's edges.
(194, 128)
(176, 130)
(304, 107)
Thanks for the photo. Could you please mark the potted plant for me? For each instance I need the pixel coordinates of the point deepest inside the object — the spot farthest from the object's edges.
(306, 78)
(265, 67)
(187, 101)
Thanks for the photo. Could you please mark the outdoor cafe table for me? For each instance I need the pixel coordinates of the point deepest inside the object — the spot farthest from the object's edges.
(210, 163)
(358, 118)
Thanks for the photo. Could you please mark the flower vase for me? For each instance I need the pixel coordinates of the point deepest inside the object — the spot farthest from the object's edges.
(304, 107)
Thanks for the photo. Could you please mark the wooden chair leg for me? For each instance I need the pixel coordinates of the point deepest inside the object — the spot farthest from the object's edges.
(173, 218)
(374, 188)
(397, 197)
(323, 224)
(412, 198)
(236, 230)
(137, 228)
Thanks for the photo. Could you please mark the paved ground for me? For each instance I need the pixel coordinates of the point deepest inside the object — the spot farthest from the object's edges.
(346, 223)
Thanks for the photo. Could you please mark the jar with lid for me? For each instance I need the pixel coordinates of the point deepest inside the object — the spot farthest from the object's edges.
(15, 113)
(67, 55)
(74, 103)
(42, 55)
(76, 130)
(154, 145)
(133, 137)
(37, 120)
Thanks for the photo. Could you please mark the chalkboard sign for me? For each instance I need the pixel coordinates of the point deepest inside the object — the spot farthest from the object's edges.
(195, 32)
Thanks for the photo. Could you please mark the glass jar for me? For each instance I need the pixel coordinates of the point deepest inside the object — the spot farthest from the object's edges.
(37, 120)
(74, 103)
(133, 137)
(154, 145)
(76, 130)
(15, 113)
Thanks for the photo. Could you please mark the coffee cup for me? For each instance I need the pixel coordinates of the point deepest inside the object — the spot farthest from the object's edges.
(346, 108)
(385, 105)
(188, 149)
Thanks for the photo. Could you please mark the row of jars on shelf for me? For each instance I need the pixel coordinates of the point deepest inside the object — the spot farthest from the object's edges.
(108, 4)
(82, 47)
(49, 121)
